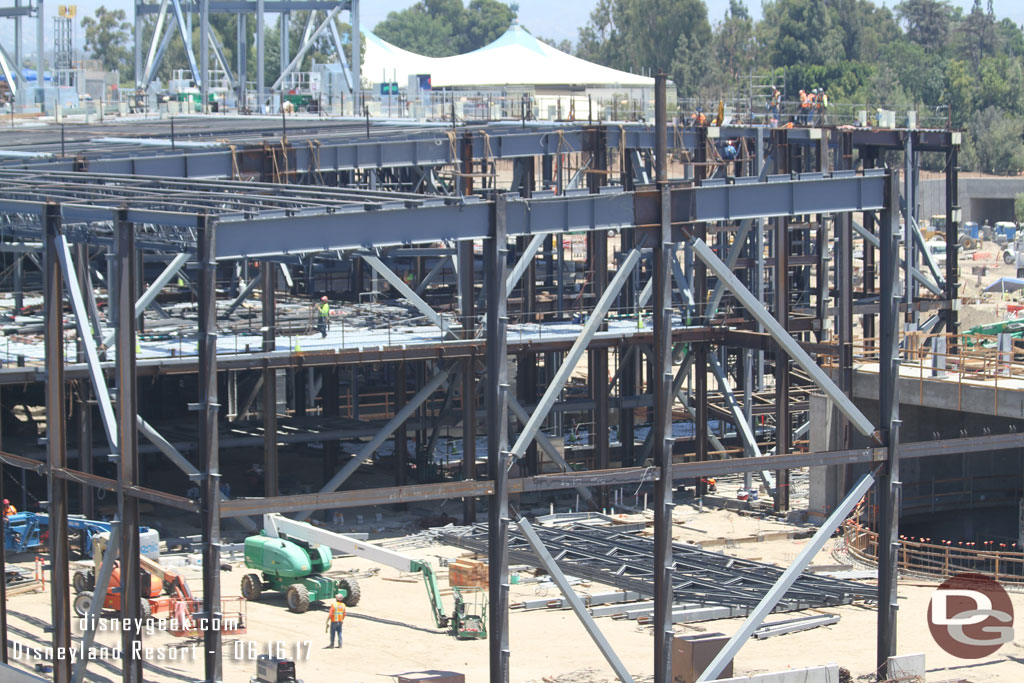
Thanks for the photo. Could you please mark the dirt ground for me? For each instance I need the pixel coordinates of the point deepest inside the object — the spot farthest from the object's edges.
(391, 630)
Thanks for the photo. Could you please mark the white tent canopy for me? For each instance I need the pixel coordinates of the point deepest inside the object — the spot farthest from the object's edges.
(514, 59)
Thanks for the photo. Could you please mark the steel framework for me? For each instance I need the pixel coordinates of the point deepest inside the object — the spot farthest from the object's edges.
(753, 242)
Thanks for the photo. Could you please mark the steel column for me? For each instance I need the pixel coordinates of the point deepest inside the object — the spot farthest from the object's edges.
(56, 438)
(401, 434)
(952, 246)
(271, 473)
(889, 485)
(209, 453)
(128, 444)
(467, 300)
(357, 57)
(662, 385)
(496, 393)
(261, 70)
(782, 417)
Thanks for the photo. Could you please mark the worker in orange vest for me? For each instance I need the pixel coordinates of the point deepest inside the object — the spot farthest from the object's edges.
(336, 617)
(9, 509)
(805, 107)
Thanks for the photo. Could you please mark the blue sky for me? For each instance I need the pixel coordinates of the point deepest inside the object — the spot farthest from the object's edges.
(556, 20)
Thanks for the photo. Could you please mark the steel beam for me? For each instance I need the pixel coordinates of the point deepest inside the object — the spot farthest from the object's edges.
(186, 41)
(785, 341)
(180, 461)
(561, 376)
(618, 476)
(149, 296)
(406, 291)
(250, 286)
(525, 259)
(548, 447)
(740, 420)
(433, 220)
(872, 239)
(786, 581)
(154, 41)
(303, 49)
(429, 278)
(96, 606)
(574, 601)
(88, 342)
(385, 432)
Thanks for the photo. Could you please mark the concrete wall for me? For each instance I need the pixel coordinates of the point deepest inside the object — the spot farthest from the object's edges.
(980, 199)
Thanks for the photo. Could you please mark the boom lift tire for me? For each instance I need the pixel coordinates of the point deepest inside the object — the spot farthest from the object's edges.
(252, 587)
(83, 601)
(84, 580)
(298, 598)
(352, 591)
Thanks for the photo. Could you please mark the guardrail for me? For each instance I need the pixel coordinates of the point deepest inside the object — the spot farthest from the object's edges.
(937, 560)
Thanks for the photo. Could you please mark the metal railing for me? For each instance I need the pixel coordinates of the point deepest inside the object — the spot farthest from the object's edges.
(937, 560)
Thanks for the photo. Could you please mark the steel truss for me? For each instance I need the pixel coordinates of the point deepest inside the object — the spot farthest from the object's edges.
(625, 560)
(200, 68)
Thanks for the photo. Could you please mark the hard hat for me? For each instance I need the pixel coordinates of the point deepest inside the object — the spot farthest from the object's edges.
(340, 596)
(6, 502)
(323, 298)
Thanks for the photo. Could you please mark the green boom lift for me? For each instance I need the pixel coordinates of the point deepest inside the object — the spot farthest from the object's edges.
(292, 557)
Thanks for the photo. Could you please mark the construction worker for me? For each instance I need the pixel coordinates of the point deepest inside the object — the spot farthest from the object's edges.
(773, 102)
(822, 105)
(336, 617)
(9, 509)
(323, 316)
(805, 104)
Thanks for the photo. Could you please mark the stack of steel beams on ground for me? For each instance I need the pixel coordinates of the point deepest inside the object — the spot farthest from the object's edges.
(625, 560)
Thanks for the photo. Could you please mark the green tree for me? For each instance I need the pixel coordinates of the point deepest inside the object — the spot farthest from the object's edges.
(1018, 207)
(998, 142)
(421, 30)
(486, 21)
(734, 44)
(600, 39)
(927, 22)
(977, 33)
(565, 45)
(805, 34)
(107, 37)
(440, 28)
(650, 36)
(864, 28)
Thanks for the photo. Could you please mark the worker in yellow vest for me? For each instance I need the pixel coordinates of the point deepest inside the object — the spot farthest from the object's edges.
(323, 316)
(336, 617)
